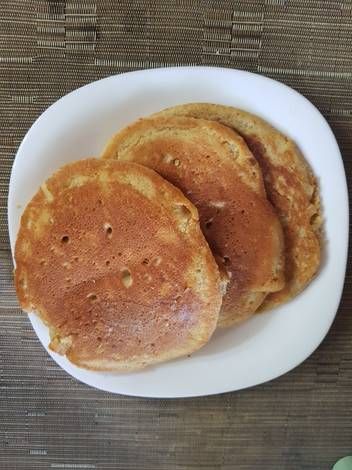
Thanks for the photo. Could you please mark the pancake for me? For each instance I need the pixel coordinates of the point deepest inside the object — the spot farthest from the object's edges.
(112, 258)
(214, 168)
(290, 185)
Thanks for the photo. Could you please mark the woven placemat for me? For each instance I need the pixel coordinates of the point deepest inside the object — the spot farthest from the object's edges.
(48, 420)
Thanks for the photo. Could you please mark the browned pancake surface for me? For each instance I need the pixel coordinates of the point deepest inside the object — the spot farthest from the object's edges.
(290, 184)
(213, 166)
(112, 258)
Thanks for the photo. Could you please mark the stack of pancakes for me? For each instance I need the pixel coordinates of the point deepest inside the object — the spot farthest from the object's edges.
(195, 217)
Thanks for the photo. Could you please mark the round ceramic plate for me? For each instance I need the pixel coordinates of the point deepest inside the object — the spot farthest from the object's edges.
(269, 344)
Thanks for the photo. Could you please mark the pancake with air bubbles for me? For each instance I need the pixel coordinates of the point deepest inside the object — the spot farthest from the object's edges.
(290, 184)
(214, 168)
(112, 258)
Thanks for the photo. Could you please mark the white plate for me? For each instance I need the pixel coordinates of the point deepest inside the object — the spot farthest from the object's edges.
(268, 345)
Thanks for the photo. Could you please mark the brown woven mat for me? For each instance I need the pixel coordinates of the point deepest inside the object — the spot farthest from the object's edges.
(49, 421)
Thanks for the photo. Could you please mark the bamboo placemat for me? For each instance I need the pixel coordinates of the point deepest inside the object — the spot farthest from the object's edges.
(49, 421)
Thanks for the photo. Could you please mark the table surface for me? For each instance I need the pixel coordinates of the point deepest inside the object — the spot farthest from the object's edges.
(302, 420)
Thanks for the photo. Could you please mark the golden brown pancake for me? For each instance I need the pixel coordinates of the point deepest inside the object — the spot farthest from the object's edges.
(290, 185)
(112, 258)
(213, 166)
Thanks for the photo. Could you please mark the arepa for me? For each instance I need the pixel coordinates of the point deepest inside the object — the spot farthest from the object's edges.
(112, 258)
(214, 168)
